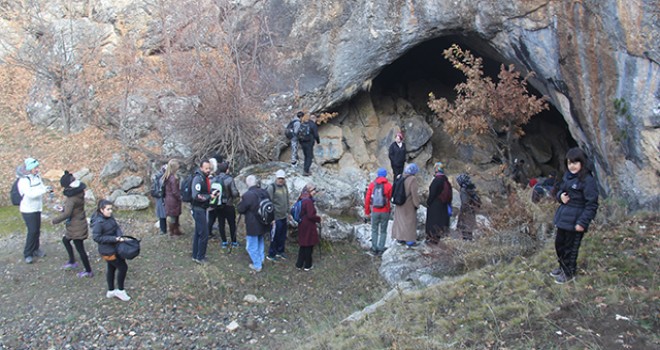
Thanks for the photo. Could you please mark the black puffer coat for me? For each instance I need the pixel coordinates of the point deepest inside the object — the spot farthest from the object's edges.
(583, 203)
(105, 232)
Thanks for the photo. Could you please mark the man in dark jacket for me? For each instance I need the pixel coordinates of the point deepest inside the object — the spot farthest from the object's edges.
(255, 230)
(224, 209)
(307, 134)
(201, 197)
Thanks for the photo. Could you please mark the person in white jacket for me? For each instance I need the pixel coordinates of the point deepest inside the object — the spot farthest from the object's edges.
(32, 190)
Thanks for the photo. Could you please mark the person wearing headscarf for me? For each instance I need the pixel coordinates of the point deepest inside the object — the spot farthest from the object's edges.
(308, 233)
(397, 155)
(470, 201)
(437, 214)
(31, 190)
(77, 231)
(404, 228)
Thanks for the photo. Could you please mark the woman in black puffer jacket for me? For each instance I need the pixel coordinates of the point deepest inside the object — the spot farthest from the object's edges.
(578, 195)
(107, 234)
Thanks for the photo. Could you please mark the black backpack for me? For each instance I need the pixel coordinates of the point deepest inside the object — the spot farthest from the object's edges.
(186, 189)
(305, 132)
(15, 194)
(378, 199)
(266, 210)
(157, 188)
(289, 132)
(399, 191)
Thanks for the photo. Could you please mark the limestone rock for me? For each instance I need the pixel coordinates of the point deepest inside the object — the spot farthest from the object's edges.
(132, 202)
(113, 168)
(331, 147)
(131, 182)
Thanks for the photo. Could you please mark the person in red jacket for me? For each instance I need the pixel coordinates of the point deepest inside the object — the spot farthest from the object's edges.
(308, 233)
(377, 207)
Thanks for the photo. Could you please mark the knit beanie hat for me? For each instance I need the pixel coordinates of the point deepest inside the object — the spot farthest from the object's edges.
(381, 172)
(67, 179)
(31, 163)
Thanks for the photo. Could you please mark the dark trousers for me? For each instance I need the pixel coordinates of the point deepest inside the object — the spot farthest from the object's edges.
(397, 170)
(201, 236)
(308, 152)
(80, 247)
(278, 240)
(224, 213)
(33, 224)
(567, 245)
(163, 225)
(121, 267)
(305, 257)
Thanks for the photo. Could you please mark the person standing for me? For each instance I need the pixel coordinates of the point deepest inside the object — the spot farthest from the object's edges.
(470, 202)
(307, 135)
(108, 234)
(279, 194)
(377, 207)
(160, 201)
(437, 214)
(172, 198)
(225, 211)
(578, 198)
(404, 228)
(254, 228)
(201, 197)
(308, 233)
(32, 190)
(76, 222)
(397, 155)
(294, 140)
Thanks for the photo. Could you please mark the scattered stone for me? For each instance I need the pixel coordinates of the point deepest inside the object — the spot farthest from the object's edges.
(232, 326)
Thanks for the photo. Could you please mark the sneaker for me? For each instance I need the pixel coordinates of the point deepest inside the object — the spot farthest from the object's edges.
(294, 162)
(203, 261)
(556, 272)
(411, 244)
(83, 274)
(562, 278)
(254, 268)
(271, 258)
(70, 266)
(223, 245)
(234, 244)
(282, 256)
(308, 268)
(401, 243)
(372, 252)
(39, 253)
(110, 294)
(29, 260)
(121, 295)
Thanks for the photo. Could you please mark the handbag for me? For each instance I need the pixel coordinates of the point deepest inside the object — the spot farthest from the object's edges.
(129, 248)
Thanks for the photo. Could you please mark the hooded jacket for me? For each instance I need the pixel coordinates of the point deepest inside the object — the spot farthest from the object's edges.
(105, 232)
(582, 205)
(387, 191)
(32, 190)
(74, 213)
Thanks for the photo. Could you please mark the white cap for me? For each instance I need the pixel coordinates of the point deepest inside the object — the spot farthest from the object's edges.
(280, 174)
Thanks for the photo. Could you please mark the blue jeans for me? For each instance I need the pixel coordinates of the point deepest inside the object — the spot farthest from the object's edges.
(201, 236)
(279, 239)
(379, 230)
(255, 248)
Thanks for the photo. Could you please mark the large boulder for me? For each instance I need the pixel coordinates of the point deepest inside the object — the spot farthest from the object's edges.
(132, 202)
(113, 168)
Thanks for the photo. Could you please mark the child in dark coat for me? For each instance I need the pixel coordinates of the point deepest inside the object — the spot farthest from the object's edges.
(578, 198)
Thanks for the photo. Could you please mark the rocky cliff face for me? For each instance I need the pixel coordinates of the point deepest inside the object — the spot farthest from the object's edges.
(591, 57)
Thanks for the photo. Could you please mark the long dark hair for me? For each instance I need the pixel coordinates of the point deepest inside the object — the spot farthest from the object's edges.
(102, 204)
(576, 154)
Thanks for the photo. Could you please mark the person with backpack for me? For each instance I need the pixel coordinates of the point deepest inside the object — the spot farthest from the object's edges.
(157, 193)
(73, 212)
(201, 197)
(279, 194)
(470, 202)
(397, 154)
(307, 135)
(292, 133)
(377, 207)
(438, 205)
(223, 207)
(308, 232)
(31, 191)
(255, 227)
(172, 198)
(578, 198)
(108, 235)
(404, 228)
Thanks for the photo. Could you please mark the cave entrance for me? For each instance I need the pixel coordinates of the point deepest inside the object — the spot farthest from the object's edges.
(423, 69)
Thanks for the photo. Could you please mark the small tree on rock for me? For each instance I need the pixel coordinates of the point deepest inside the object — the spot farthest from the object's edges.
(486, 112)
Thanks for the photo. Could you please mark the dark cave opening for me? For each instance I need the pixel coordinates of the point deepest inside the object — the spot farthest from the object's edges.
(424, 69)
